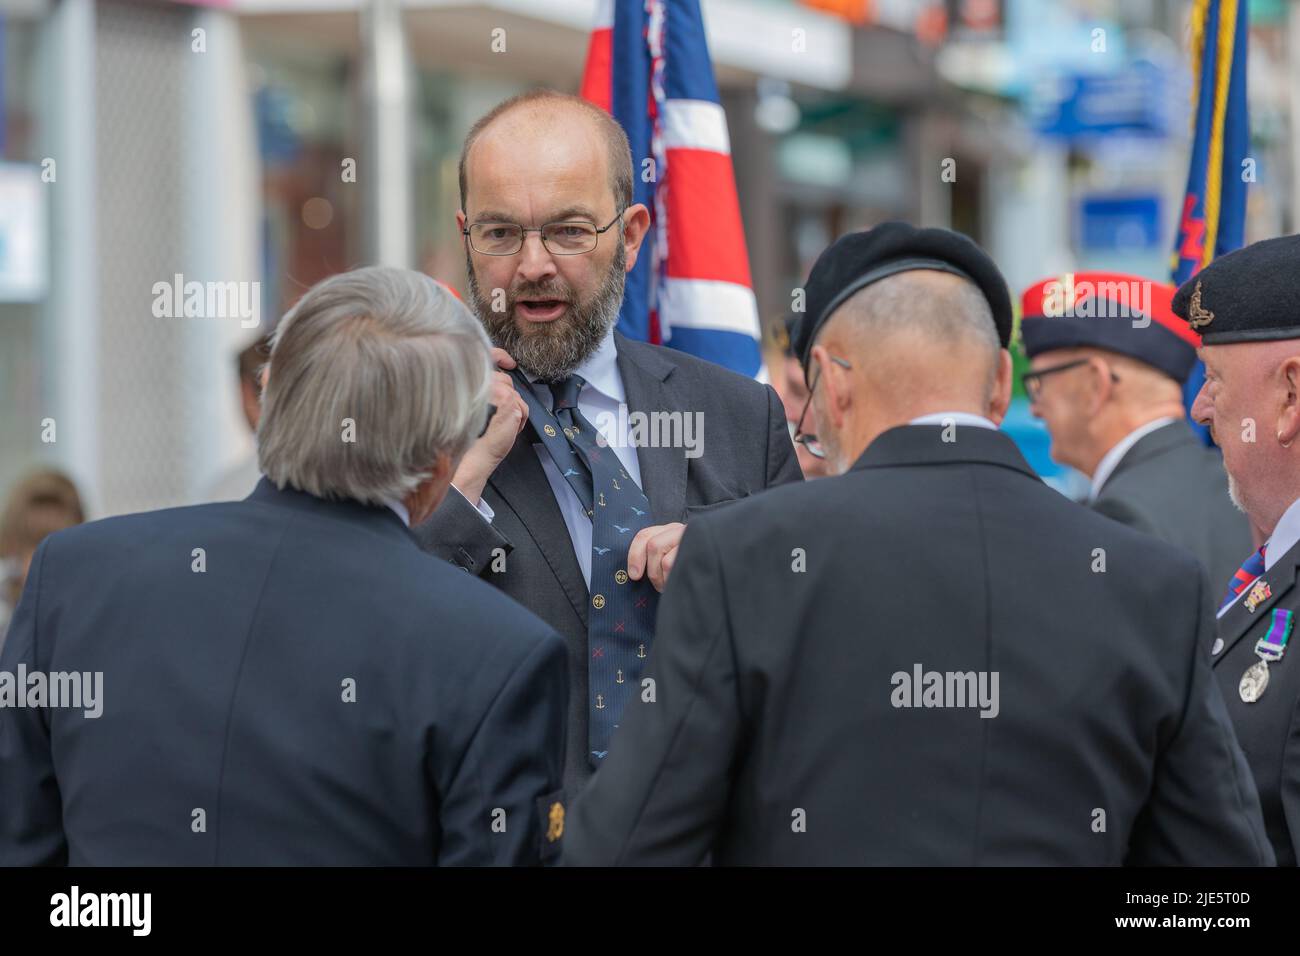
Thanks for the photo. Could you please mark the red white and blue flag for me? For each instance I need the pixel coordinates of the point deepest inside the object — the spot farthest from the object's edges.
(648, 64)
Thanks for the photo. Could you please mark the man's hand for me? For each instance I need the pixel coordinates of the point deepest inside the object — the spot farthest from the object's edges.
(507, 422)
(653, 552)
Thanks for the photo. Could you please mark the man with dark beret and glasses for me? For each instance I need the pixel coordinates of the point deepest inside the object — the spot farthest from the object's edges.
(929, 657)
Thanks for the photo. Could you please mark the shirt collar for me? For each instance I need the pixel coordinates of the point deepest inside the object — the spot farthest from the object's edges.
(955, 418)
(1284, 536)
(600, 370)
(1110, 461)
(400, 510)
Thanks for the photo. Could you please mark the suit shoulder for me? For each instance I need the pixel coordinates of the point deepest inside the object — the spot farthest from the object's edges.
(886, 498)
(1128, 503)
(714, 375)
(140, 524)
(487, 615)
(1163, 564)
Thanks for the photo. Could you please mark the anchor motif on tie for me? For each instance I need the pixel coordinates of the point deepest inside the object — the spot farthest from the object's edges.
(600, 701)
(619, 678)
(601, 502)
(616, 487)
(640, 650)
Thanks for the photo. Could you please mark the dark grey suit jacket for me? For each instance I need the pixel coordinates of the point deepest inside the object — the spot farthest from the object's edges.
(746, 448)
(1172, 486)
(775, 736)
(1269, 728)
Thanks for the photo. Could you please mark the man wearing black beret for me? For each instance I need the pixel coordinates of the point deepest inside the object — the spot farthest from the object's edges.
(930, 657)
(1108, 359)
(1243, 305)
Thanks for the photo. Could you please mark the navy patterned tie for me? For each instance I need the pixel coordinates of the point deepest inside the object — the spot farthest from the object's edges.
(621, 616)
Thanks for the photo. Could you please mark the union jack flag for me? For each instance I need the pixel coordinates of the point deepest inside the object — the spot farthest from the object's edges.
(648, 65)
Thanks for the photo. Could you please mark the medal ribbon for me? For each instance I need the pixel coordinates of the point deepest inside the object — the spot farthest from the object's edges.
(1272, 645)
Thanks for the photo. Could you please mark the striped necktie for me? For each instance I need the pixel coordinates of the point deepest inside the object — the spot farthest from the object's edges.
(1252, 568)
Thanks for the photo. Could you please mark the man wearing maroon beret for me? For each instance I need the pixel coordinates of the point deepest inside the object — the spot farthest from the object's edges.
(1108, 362)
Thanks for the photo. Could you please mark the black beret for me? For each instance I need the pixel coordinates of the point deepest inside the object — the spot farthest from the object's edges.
(857, 260)
(1245, 296)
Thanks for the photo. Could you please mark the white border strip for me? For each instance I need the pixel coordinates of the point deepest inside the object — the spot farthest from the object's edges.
(708, 304)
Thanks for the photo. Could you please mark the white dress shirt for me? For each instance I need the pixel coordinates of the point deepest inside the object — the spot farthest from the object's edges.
(599, 403)
(1110, 461)
(954, 418)
(1282, 540)
(400, 510)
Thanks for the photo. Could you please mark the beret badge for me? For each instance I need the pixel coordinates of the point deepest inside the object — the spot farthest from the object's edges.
(1197, 315)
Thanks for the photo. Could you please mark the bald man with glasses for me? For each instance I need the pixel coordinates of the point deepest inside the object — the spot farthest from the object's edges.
(929, 657)
(565, 503)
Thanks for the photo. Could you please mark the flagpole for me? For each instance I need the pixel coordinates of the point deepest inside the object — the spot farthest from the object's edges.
(1293, 61)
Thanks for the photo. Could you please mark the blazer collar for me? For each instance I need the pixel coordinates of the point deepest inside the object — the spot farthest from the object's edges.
(924, 445)
(378, 518)
(646, 372)
(1237, 620)
(1156, 443)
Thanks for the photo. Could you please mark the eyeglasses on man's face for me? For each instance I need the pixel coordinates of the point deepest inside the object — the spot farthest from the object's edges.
(810, 441)
(567, 237)
(1033, 381)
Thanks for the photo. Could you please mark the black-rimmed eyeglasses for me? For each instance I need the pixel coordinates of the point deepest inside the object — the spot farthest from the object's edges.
(1033, 381)
(808, 441)
(568, 237)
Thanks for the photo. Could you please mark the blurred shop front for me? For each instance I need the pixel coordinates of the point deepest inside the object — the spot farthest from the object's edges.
(280, 141)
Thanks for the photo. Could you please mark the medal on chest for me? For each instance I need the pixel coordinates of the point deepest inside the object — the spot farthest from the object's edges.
(1269, 649)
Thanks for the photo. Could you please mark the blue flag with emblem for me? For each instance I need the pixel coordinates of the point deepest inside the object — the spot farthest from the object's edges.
(1213, 213)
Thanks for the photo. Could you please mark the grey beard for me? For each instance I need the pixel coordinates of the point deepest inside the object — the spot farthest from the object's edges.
(551, 352)
(1234, 495)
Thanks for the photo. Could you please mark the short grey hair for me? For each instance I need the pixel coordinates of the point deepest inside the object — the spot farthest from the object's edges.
(390, 351)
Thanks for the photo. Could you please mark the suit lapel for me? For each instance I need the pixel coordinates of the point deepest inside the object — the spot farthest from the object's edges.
(1238, 620)
(663, 470)
(523, 486)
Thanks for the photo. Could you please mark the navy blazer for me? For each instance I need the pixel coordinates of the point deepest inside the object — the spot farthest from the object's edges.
(286, 680)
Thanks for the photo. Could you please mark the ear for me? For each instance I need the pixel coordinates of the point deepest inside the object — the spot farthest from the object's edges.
(1100, 384)
(636, 223)
(1000, 400)
(1288, 419)
(461, 219)
(429, 494)
(834, 379)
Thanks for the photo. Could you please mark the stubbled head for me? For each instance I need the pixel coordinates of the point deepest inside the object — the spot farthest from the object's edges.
(546, 157)
(916, 342)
